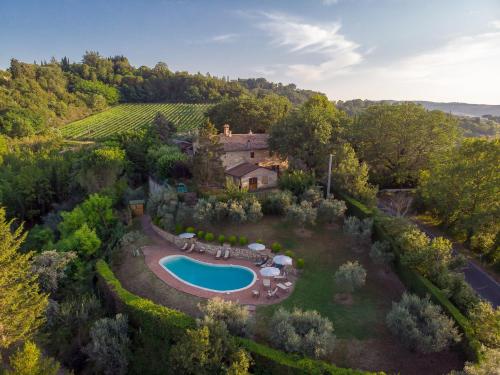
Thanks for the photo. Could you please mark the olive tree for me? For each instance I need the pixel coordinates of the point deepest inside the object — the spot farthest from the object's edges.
(234, 315)
(302, 214)
(304, 332)
(421, 325)
(109, 345)
(381, 253)
(50, 266)
(331, 209)
(350, 276)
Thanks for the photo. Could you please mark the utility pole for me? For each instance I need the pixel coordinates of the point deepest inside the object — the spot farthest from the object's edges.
(329, 176)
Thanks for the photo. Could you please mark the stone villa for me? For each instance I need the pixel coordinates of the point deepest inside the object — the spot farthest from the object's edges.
(248, 161)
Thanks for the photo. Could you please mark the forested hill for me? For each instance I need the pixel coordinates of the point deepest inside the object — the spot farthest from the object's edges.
(463, 109)
(34, 97)
(458, 109)
(476, 120)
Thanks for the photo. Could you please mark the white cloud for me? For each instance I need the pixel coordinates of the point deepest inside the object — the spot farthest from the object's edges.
(224, 38)
(337, 53)
(463, 69)
(329, 2)
(495, 24)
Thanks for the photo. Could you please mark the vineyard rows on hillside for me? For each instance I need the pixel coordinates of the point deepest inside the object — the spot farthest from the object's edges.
(124, 117)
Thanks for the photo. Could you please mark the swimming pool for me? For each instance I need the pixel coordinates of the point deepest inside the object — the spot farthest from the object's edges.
(220, 278)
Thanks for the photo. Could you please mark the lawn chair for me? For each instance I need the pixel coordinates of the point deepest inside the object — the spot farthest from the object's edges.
(280, 277)
(283, 287)
(227, 254)
(266, 283)
(269, 263)
(201, 249)
(261, 262)
(218, 255)
(272, 293)
(185, 246)
(191, 248)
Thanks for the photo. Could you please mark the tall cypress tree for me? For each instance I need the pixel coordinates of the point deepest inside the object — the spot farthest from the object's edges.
(22, 305)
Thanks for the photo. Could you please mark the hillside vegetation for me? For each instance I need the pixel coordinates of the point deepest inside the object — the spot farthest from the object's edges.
(126, 117)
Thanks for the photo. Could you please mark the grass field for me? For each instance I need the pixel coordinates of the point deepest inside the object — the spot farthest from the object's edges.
(126, 117)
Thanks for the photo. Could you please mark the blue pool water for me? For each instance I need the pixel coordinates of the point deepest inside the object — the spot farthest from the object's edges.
(213, 277)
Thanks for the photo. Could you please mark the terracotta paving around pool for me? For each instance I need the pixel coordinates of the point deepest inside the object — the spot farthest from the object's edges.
(162, 248)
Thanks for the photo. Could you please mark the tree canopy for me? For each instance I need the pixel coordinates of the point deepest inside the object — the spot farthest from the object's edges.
(399, 140)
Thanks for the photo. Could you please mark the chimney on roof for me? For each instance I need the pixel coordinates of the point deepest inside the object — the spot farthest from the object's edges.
(227, 132)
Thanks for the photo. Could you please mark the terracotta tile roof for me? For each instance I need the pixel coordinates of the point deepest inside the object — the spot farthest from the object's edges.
(242, 169)
(244, 142)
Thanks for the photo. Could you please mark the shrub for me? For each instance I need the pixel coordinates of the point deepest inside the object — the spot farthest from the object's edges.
(290, 253)
(200, 234)
(131, 238)
(296, 181)
(350, 276)
(232, 240)
(30, 361)
(381, 253)
(234, 315)
(190, 230)
(360, 229)
(455, 287)
(50, 267)
(422, 254)
(313, 195)
(421, 325)
(276, 247)
(300, 263)
(301, 214)
(237, 213)
(260, 241)
(221, 239)
(179, 228)
(209, 237)
(277, 203)
(254, 211)
(331, 209)
(304, 332)
(485, 322)
(488, 366)
(108, 347)
(208, 349)
(243, 240)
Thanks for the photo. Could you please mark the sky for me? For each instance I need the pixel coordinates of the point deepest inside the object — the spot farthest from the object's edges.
(438, 50)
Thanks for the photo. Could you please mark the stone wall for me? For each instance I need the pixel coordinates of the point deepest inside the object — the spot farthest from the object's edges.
(209, 248)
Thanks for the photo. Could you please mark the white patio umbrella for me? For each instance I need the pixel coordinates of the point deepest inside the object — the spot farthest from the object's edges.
(256, 246)
(282, 260)
(270, 271)
(187, 235)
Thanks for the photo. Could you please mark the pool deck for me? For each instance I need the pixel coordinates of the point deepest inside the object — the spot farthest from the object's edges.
(162, 248)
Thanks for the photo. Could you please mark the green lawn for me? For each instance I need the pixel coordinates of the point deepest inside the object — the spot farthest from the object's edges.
(315, 289)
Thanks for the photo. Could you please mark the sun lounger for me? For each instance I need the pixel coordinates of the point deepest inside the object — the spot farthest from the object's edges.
(201, 249)
(219, 253)
(282, 287)
(280, 277)
(272, 293)
(191, 248)
(261, 262)
(185, 246)
(266, 283)
(226, 254)
(267, 264)
(288, 284)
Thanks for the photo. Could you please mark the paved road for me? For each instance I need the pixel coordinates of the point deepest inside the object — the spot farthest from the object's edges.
(479, 280)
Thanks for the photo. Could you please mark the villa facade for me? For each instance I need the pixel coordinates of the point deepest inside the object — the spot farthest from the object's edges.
(248, 160)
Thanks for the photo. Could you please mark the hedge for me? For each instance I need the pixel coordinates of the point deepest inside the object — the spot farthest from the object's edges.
(159, 327)
(413, 280)
(269, 361)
